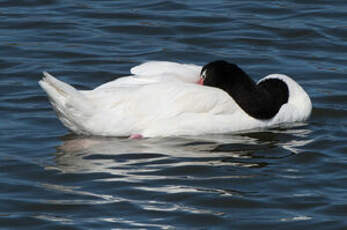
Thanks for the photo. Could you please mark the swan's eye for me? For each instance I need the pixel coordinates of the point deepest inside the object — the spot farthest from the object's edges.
(203, 74)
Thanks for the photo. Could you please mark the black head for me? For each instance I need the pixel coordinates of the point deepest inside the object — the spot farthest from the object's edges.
(224, 75)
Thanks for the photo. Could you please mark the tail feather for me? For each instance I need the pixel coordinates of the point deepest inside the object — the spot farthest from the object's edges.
(72, 107)
(61, 87)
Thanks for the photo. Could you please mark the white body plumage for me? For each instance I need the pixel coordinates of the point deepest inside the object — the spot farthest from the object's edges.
(163, 99)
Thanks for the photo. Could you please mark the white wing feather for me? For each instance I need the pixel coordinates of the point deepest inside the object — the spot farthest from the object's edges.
(183, 72)
(156, 72)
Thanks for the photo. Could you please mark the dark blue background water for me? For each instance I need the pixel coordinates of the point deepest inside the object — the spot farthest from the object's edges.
(291, 177)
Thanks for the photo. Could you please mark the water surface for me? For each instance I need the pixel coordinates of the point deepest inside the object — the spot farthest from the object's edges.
(287, 177)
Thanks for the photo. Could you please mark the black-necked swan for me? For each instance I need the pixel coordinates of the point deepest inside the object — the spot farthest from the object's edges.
(165, 99)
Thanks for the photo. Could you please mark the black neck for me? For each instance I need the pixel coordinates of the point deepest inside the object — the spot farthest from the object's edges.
(261, 101)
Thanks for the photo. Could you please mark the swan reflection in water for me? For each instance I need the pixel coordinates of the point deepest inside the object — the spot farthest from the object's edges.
(154, 173)
(122, 156)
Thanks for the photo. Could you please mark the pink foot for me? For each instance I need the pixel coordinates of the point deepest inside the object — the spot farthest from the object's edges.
(135, 136)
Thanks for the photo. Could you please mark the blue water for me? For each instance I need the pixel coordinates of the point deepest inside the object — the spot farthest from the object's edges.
(289, 177)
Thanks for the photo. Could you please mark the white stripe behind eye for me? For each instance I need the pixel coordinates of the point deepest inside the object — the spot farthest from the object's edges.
(203, 75)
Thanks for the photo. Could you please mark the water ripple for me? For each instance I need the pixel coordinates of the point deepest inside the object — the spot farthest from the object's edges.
(292, 176)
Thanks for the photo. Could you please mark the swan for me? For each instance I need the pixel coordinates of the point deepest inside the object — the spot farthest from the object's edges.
(163, 98)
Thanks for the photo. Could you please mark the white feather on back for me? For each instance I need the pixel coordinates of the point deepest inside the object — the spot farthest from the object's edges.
(184, 72)
(155, 72)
